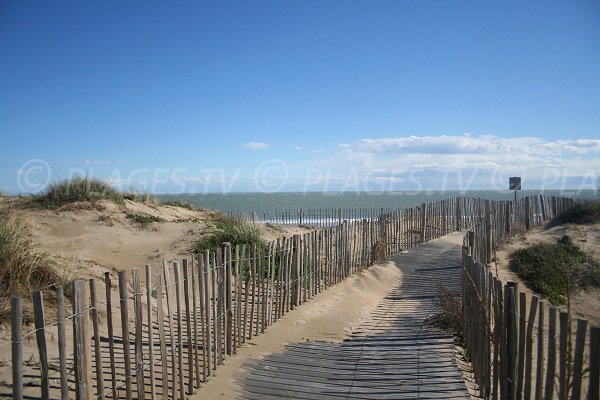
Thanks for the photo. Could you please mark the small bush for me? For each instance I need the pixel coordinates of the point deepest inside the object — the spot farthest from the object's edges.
(23, 267)
(448, 314)
(144, 220)
(229, 229)
(177, 203)
(79, 190)
(580, 214)
(552, 269)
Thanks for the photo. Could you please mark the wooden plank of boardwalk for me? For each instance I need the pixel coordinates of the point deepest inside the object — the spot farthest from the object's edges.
(391, 356)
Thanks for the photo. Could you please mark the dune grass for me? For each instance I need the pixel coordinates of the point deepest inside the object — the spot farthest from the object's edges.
(78, 190)
(144, 220)
(228, 229)
(177, 203)
(580, 214)
(23, 267)
(555, 269)
(140, 196)
(87, 189)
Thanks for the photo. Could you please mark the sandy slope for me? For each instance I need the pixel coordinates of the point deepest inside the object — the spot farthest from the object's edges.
(585, 304)
(106, 240)
(91, 239)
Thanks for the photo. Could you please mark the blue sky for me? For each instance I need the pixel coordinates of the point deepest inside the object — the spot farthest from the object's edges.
(300, 95)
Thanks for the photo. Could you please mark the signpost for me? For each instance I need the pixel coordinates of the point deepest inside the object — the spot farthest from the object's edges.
(514, 183)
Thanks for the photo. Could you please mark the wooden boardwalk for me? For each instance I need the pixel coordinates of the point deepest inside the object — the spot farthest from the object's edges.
(392, 356)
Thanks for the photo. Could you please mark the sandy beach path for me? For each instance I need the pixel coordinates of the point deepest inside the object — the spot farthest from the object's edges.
(362, 339)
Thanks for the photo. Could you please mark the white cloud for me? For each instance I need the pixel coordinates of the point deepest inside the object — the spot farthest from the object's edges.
(298, 148)
(473, 150)
(255, 145)
(97, 162)
(317, 150)
(487, 156)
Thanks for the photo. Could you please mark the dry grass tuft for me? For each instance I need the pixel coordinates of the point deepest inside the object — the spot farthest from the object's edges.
(141, 197)
(378, 252)
(22, 265)
(82, 205)
(448, 315)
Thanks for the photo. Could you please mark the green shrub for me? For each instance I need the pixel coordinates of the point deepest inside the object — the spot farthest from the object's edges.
(229, 229)
(78, 190)
(144, 220)
(23, 267)
(580, 214)
(176, 203)
(553, 269)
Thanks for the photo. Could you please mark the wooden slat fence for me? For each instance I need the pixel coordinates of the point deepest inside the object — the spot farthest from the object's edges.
(520, 346)
(160, 333)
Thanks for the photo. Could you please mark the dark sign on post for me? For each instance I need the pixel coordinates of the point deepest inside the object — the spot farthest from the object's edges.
(514, 183)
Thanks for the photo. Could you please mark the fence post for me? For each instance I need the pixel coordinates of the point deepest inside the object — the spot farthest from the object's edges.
(527, 214)
(81, 339)
(138, 333)
(296, 270)
(111, 340)
(188, 326)
(97, 344)
(123, 298)
(551, 359)
(16, 325)
(228, 263)
(40, 338)
(489, 246)
(564, 370)
(62, 343)
(508, 210)
(422, 227)
(594, 383)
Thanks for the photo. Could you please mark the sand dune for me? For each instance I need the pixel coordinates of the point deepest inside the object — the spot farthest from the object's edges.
(586, 303)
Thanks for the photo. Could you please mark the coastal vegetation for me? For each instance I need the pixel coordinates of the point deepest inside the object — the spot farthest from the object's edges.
(580, 214)
(144, 220)
(23, 267)
(78, 189)
(448, 312)
(177, 203)
(555, 270)
(223, 229)
(139, 196)
(92, 190)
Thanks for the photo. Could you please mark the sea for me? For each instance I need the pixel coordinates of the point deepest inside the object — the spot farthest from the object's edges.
(266, 202)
